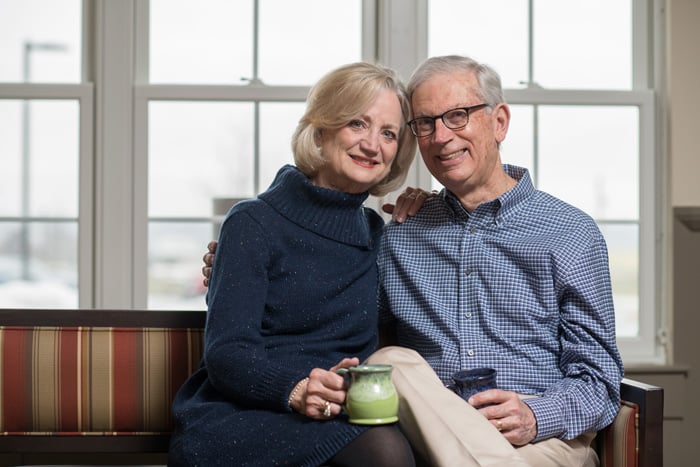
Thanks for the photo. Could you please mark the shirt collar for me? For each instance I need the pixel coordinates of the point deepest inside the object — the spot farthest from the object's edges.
(502, 207)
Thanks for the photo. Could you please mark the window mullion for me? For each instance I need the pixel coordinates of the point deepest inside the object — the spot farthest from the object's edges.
(86, 207)
(641, 44)
(250, 92)
(114, 158)
(142, 39)
(530, 45)
(402, 43)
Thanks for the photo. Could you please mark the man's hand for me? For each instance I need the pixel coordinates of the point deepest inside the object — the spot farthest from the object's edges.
(510, 415)
(208, 259)
(407, 204)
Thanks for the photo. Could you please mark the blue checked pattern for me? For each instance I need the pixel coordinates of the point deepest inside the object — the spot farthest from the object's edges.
(521, 284)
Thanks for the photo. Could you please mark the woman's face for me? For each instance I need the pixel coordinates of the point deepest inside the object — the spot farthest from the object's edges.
(359, 155)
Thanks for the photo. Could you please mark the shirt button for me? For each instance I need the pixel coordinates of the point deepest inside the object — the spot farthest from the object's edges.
(470, 353)
(468, 315)
(472, 230)
(467, 271)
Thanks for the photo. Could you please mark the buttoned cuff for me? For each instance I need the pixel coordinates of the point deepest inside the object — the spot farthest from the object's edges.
(549, 415)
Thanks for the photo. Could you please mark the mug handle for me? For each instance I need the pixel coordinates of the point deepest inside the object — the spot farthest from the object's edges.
(344, 372)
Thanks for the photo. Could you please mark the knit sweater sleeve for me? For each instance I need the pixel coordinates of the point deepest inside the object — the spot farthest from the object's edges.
(235, 355)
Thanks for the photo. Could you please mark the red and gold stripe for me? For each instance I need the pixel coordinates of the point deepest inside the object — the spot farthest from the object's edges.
(93, 380)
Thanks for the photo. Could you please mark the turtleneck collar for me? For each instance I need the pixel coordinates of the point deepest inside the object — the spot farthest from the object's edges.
(333, 214)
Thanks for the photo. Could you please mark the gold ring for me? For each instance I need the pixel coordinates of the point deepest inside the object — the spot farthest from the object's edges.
(327, 409)
(499, 425)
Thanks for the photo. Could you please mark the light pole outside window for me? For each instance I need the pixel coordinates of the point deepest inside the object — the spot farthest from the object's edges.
(29, 47)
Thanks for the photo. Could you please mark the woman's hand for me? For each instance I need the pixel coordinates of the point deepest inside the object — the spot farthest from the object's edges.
(407, 204)
(324, 393)
(208, 259)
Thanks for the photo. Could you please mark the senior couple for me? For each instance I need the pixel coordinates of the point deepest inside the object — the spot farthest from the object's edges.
(490, 272)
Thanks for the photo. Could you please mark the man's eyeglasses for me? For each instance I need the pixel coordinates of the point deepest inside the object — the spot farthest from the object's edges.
(454, 119)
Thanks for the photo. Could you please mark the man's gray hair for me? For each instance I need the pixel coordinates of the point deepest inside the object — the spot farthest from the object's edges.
(489, 80)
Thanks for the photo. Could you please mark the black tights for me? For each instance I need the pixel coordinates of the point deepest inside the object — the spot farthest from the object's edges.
(380, 446)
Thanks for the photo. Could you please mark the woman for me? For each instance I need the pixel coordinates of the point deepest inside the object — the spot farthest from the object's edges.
(293, 292)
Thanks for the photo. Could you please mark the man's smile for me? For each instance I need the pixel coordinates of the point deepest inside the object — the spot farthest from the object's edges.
(447, 157)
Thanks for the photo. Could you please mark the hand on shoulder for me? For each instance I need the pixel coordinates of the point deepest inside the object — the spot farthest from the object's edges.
(407, 204)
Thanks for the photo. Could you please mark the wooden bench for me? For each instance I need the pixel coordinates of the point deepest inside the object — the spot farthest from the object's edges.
(93, 381)
(102, 381)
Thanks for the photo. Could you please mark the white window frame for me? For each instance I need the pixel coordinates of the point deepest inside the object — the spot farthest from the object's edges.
(124, 93)
(403, 44)
(117, 38)
(82, 93)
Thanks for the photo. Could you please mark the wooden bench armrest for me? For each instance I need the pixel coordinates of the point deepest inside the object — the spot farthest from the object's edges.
(650, 400)
(635, 437)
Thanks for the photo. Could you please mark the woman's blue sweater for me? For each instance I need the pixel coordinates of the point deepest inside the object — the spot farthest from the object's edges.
(294, 287)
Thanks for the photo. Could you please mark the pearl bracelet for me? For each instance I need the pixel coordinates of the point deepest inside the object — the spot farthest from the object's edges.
(296, 389)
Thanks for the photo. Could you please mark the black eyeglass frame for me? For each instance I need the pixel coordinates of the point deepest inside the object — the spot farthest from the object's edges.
(468, 110)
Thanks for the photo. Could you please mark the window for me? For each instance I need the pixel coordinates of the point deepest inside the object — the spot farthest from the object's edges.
(581, 123)
(129, 128)
(45, 131)
(211, 146)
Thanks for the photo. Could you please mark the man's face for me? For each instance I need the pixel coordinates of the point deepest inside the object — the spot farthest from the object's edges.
(464, 159)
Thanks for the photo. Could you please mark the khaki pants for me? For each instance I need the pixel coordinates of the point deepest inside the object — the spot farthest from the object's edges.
(446, 431)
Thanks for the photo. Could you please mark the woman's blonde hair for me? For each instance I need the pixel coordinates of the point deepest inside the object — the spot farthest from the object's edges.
(342, 96)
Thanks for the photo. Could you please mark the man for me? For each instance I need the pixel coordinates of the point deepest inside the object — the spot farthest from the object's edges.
(493, 273)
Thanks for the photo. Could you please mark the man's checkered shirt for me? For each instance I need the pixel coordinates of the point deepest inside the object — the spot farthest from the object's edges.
(522, 285)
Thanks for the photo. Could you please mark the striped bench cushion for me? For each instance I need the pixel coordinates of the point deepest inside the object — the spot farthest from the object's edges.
(92, 380)
(618, 442)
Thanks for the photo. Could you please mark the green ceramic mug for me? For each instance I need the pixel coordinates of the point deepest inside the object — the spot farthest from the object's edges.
(371, 398)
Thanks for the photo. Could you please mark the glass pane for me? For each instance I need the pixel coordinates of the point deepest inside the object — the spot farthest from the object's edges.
(217, 45)
(175, 251)
(318, 34)
(40, 41)
(589, 157)
(493, 32)
(40, 157)
(54, 158)
(202, 42)
(277, 124)
(198, 151)
(623, 251)
(11, 126)
(586, 45)
(39, 264)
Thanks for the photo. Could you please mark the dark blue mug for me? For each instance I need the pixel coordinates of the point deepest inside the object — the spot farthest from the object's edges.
(468, 382)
